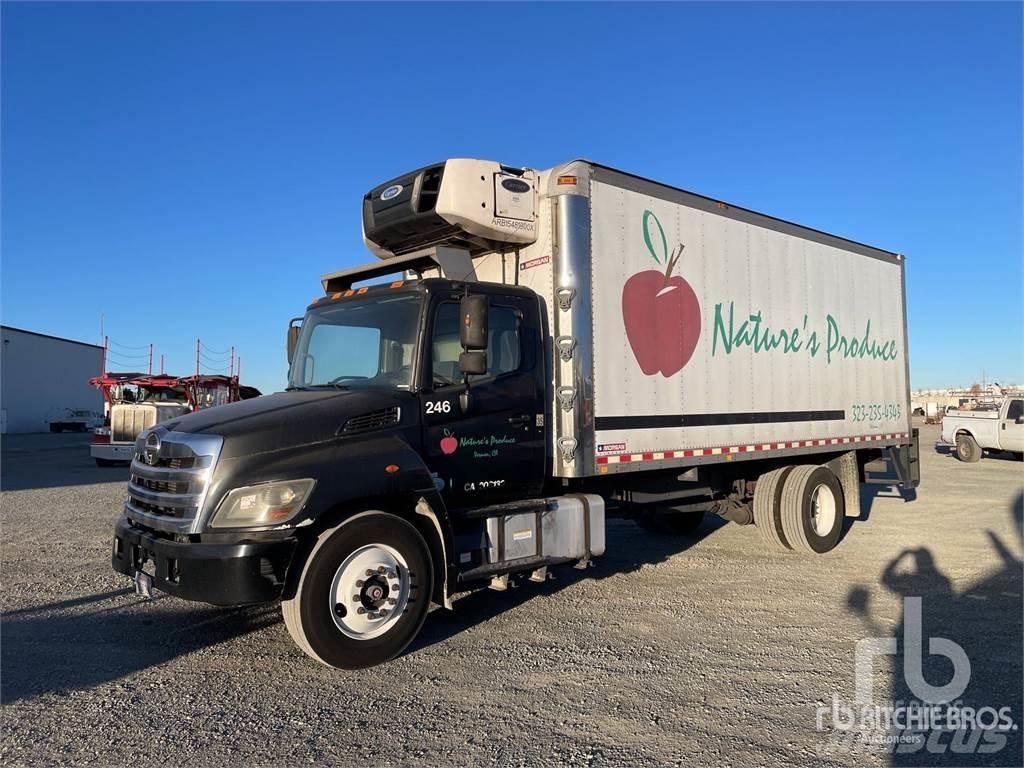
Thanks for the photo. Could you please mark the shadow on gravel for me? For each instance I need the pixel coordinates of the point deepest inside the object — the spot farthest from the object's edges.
(871, 491)
(985, 621)
(628, 548)
(52, 461)
(948, 450)
(59, 648)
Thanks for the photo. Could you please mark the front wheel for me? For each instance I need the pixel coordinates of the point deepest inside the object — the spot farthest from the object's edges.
(363, 592)
(967, 449)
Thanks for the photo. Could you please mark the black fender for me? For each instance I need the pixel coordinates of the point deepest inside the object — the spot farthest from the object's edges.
(354, 474)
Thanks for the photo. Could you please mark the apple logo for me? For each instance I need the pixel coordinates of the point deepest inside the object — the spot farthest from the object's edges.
(449, 443)
(660, 310)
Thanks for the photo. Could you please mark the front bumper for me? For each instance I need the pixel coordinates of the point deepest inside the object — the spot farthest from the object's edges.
(112, 451)
(222, 574)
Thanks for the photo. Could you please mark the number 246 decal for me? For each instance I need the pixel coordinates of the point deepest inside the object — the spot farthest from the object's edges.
(439, 406)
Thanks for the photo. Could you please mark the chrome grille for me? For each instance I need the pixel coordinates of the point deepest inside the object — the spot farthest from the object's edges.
(127, 422)
(167, 487)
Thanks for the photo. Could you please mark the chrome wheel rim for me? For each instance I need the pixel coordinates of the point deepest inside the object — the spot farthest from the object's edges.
(823, 510)
(369, 591)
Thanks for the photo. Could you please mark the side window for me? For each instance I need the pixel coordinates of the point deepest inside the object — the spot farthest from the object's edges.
(1016, 410)
(504, 350)
(445, 347)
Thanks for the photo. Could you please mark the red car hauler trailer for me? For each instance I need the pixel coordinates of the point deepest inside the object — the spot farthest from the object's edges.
(564, 344)
(135, 402)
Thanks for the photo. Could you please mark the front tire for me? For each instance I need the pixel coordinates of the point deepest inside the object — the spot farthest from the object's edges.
(363, 592)
(812, 509)
(967, 449)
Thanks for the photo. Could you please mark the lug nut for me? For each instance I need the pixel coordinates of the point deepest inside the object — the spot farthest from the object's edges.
(356, 598)
(392, 601)
(381, 569)
(383, 613)
(369, 572)
(360, 610)
(359, 582)
(371, 615)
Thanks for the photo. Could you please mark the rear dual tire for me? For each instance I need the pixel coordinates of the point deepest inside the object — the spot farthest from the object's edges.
(363, 592)
(800, 508)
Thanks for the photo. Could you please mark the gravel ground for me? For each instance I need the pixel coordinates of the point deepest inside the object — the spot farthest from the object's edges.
(670, 651)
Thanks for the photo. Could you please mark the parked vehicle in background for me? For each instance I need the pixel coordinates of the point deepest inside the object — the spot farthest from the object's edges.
(974, 432)
(566, 344)
(77, 421)
(137, 402)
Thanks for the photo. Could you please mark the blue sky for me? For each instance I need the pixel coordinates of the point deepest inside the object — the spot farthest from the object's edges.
(221, 150)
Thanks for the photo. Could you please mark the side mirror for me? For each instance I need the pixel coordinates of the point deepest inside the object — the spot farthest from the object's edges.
(473, 363)
(473, 327)
(293, 337)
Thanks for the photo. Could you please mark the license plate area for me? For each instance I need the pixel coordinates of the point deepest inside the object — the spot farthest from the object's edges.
(145, 571)
(143, 584)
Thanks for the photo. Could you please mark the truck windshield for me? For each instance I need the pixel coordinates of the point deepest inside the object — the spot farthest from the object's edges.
(361, 342)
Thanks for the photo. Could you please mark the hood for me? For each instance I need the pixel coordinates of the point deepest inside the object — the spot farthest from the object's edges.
(287, 419)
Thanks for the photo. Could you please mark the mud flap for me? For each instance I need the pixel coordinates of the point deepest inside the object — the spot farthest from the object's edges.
(906, 460)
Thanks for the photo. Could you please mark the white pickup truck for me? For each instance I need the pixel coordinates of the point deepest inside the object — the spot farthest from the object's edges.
(973, 432)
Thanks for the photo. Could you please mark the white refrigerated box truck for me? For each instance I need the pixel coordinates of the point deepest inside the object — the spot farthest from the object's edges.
(559, 345)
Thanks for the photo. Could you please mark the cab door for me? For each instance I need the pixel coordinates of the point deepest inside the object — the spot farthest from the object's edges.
(494, 451)
(1011, 430)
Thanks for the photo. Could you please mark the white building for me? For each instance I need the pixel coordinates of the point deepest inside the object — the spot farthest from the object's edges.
(41, 377)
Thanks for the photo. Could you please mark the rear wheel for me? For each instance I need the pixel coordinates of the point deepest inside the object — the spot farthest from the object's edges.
(967, 449)
(363, 592)
(812, 509)
(768, 507)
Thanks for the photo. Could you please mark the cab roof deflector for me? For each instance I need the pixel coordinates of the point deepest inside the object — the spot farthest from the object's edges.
(455, 264)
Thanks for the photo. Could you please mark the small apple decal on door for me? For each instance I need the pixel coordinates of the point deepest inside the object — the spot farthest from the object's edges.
(449, 443)
(660, 310)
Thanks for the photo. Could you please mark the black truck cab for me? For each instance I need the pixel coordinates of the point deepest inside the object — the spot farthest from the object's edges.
(380, 415)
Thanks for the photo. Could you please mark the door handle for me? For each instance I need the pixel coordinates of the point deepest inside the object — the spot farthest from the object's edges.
(519, 420)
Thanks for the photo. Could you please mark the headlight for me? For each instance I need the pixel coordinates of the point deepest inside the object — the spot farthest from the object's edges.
(266, 504)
